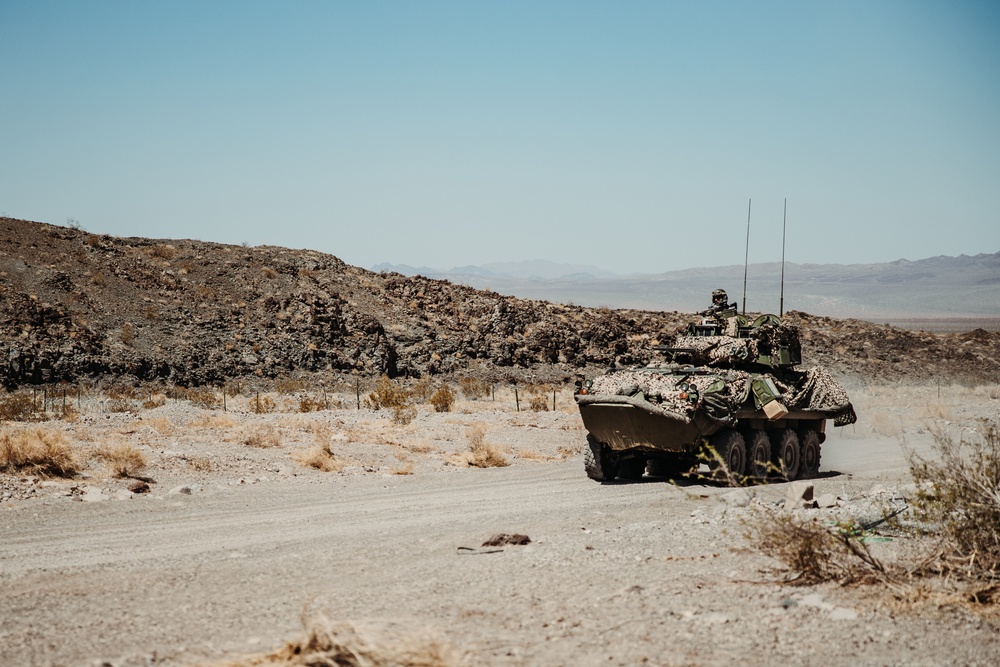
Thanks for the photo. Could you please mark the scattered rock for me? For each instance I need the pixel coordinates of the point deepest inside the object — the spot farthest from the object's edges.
(184, 489)
(843, 614)
(799, 495)
(826, 500)
(737, 497)
(139, 487)
(503, 538)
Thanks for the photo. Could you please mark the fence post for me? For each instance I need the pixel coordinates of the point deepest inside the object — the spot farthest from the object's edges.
(517, 400)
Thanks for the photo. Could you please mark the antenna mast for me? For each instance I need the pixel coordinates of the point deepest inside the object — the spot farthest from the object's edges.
(746, 259)
(784, 222)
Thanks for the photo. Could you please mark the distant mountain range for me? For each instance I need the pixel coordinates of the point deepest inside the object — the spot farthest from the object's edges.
(937, 287)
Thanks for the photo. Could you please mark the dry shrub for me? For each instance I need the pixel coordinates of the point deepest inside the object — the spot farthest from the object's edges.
(473, 388)
(443, 399)
(309, 404)
(39, 451)
(163, 251)
(326, 643)
(269, 273)
(387, 394)
(263, 436)
(263, 404)
(200, 463)
(287, 385)
(98, 279)
(405, 468)
(886, 424)
(422, 390)
(203, 397)
(319, 457)
(161, 425)
(212, 421)
(813, 552)
(482, 454)
(155, 401)
(18, 407)
(122, 459)
(538, 397)
(960, 495)
(403, 414)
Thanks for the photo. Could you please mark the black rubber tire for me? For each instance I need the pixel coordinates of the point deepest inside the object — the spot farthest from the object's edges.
(599, 462)
(758, 455)
(785, 453)
(729, 445)
(632, 468)
(809, 454)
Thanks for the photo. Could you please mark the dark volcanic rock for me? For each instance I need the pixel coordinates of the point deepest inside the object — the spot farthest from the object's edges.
(75, 305)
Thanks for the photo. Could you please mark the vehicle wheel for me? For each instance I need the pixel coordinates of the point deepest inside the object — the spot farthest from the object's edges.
(732, 455)
(785, 453)
(598, 461)
(758, 455)
(632, 468)
(809, 454)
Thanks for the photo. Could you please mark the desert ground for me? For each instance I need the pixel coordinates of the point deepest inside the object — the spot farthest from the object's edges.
(255, 523)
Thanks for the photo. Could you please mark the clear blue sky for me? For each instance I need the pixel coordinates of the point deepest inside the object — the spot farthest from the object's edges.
(629, 135)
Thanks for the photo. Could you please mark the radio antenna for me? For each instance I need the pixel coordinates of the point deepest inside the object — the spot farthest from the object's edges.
(784, 223)
(746, 259)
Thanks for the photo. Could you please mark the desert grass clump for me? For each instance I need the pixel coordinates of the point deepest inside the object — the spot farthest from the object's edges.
(263, 404)
(325, 643)
(959, 493)
(39, 451)
(309, 404)
(319, 457)
(538, 397)
(263, 436)
(482, 454)
(443, 399)
(387, 394)
(122, 459)
(203, 397)
(473, 388)
(18, 407)
(812, 552)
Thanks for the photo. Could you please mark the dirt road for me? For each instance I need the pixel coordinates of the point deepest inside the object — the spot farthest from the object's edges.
(616, 574)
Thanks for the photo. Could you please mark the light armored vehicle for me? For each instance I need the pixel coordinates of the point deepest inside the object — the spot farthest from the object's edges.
(729, 394)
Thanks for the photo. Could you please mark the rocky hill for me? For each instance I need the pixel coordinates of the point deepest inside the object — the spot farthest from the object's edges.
(75, 305)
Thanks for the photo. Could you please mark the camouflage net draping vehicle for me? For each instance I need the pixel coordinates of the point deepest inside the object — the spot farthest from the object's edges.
(730, 396)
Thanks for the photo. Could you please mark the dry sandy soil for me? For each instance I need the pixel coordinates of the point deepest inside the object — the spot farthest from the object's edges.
(235, 543)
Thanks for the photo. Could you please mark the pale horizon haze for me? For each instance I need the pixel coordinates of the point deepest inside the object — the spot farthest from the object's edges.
(629, 136)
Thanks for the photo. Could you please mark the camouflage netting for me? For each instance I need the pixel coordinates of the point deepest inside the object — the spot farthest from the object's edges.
(722, 393)
(815, 389)
(718, 350)
(719, 394)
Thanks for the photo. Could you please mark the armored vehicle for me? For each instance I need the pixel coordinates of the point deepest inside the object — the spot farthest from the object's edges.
(729, 393)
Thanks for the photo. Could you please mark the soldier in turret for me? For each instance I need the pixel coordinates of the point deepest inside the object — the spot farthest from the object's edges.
(721, 309)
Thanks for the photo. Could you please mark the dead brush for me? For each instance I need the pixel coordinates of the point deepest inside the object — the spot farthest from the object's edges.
(319, 457)
(325, 643)
(482, 454)
(39, 451)
(812, 552)
(473, 388)
(263, 436)
(19, 407)
(443, 399)
(959, 494)
(387, 394)
(122, 459)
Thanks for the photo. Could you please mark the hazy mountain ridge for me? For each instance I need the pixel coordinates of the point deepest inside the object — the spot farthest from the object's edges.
(941, 286)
